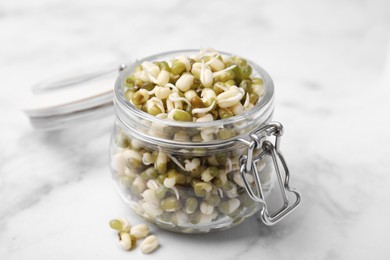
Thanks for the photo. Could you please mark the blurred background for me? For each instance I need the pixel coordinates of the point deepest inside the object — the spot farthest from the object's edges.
(330, 61)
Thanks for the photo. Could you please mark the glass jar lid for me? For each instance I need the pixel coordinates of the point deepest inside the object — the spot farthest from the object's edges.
(69, 99)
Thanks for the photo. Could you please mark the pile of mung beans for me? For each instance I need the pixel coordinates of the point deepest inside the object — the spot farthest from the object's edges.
(180, 192)
(199, 88)
(128, 235)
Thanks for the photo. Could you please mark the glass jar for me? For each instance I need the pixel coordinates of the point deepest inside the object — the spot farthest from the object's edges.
(198, 177)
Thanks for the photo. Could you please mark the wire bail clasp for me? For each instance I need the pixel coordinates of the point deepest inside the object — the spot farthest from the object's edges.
(258, 148)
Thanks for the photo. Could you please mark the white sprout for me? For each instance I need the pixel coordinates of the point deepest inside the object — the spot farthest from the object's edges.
(170, 184)
(152, 91)
(224, 103)
(176, 192)
(230, 97)
(220, 191)
(229, 164)
(213, 59)
(215, 74)
(242, 91)
(158, 104)
(173, 87)
(246, 103)
(220, 85)
(215, 63)
(177, 162)
(170, 105)
(176, 98)
(203, 110)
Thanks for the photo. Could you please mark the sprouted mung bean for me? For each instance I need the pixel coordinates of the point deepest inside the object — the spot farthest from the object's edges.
(139, 231)
(127, 237)
(126, 241)
(149, 244)
(120, 224)
(196, 188)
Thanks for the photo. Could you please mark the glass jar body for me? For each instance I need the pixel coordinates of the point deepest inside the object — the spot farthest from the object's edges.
(186, 177)
(191, 190)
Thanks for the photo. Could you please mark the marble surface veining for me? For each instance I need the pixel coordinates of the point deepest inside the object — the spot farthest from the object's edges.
(328, 61)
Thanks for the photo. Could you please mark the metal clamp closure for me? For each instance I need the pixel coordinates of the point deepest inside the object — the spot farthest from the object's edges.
(258, 148)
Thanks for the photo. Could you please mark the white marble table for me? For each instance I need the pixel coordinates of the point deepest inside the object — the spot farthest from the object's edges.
(327, 60)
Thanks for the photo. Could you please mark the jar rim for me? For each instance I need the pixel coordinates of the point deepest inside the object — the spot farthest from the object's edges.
(264, 102)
